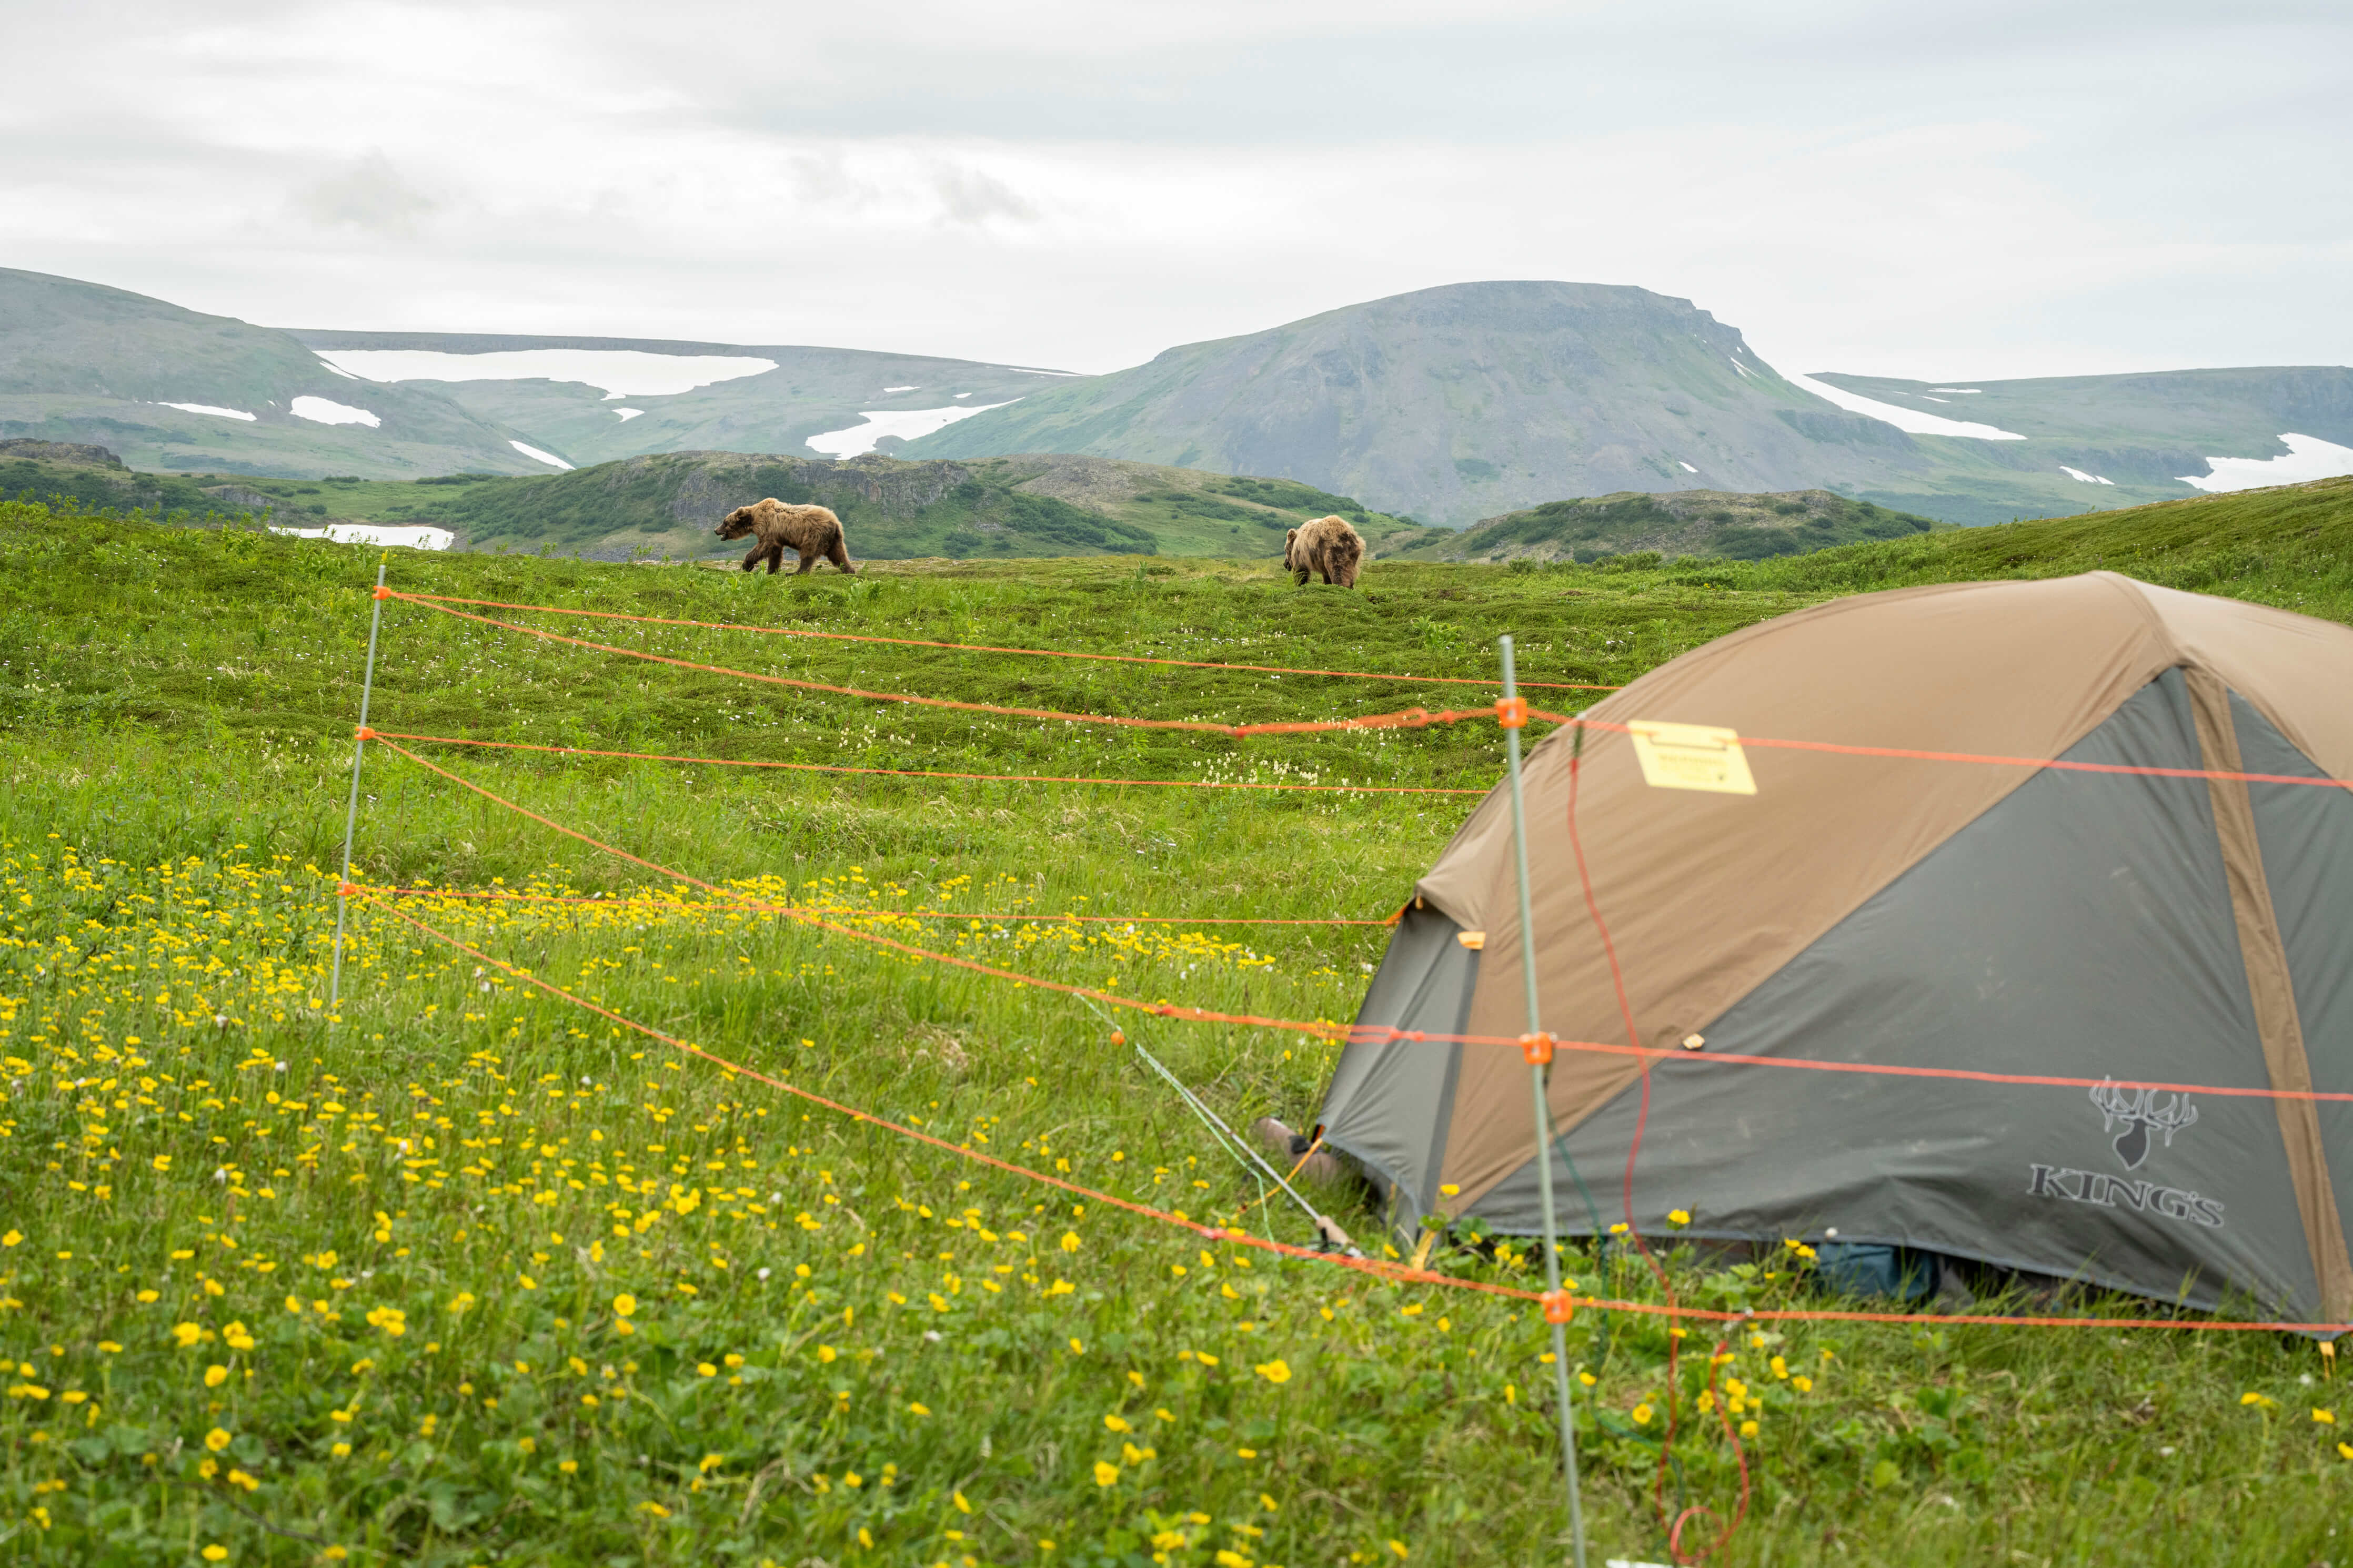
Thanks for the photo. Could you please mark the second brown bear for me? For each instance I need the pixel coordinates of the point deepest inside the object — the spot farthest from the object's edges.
(1327, 545)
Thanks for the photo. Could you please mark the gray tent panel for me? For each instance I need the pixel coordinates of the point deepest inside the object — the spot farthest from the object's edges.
(1387, 1102)
(2082, 927)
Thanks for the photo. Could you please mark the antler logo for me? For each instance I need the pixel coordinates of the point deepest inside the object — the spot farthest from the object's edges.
(2141, 1114)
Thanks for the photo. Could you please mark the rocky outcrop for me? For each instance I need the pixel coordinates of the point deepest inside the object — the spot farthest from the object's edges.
(237, 495)
(712, 484)
(63, 452)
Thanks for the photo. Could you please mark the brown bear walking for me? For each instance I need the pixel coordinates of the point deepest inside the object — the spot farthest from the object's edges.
(813, 530)
(1327, 545)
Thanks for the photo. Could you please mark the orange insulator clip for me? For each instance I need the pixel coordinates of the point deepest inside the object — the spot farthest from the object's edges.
(382, 592)
(365, 733)
(1512, 712)
(346, 889)
(1536, 1048)
(1117, 1038)
(1557, 1307)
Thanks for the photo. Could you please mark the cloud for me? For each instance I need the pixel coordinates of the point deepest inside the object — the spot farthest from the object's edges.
(975, 196)
(367, 194)
(2021, 190)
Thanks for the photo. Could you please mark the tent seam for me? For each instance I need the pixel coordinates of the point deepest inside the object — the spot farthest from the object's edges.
(2279, 1027)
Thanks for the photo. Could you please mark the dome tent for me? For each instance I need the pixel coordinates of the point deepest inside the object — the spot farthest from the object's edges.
(1871, 908)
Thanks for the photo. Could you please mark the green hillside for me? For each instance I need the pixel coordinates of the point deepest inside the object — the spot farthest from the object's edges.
(473, 1275)
(667, 506)
(94, 479)
(1685, 522)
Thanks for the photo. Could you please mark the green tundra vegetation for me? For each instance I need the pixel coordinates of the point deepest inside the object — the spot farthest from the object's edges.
(462, 1273)
(665, 506)
(1733, 527)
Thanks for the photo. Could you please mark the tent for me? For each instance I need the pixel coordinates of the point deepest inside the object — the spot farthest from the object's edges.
(1943, 913)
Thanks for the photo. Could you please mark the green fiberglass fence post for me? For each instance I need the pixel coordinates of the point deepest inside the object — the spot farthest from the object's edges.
(352, 813)
(1514, 716)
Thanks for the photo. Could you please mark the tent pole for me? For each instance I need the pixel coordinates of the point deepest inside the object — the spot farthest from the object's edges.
(352, 813)
(1512, 723)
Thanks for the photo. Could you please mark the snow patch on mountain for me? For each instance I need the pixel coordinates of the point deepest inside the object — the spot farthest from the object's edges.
(550, 459)
(327, 411)
(1915, 421)
(208, 409)
(2306, 457)
(618, 372)
(907, 424)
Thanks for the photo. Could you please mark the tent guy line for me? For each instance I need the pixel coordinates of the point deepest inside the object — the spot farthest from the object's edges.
(1379, 1268)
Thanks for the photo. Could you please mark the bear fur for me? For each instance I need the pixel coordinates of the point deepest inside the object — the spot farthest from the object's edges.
(1327, 545)
(810, 530)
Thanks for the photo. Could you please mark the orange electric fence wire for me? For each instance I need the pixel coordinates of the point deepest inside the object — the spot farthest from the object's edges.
(922, 773)
(643, 900)
(1355, 1034)
(1394, 1273)
(1161, 1009)
(985, 647)
(1379, 1034)
(1984, 758)
(1405, 719)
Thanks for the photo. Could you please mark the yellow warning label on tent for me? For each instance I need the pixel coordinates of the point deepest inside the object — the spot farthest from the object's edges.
(1691, 756)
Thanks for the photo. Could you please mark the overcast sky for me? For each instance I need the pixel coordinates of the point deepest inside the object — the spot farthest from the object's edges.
(1945, 192)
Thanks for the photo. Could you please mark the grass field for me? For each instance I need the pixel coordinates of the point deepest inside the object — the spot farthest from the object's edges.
(473, 1275)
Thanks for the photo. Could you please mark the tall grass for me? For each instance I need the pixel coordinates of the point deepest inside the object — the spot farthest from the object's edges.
(406, 1240)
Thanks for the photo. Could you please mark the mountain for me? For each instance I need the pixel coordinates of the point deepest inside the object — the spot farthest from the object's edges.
(1709, 524)
(855, 394)
(174, 390)
(1458, 403)
(666, 505)
(1448, 404)
(1451, 403)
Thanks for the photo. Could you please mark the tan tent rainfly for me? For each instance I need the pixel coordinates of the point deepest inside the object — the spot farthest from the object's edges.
(1880, 909)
